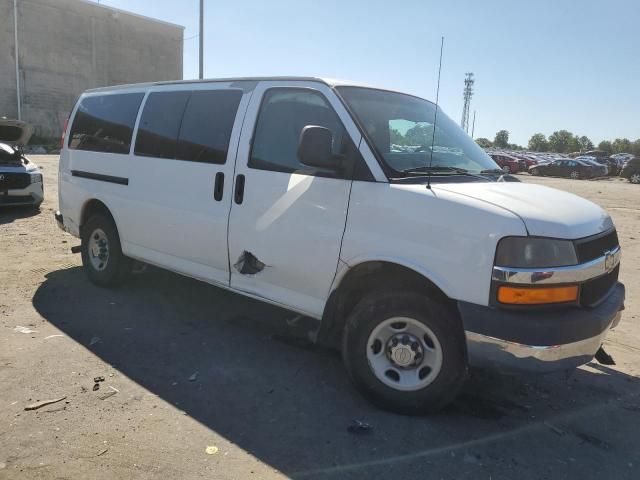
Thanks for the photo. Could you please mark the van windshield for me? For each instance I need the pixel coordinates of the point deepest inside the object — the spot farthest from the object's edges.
(400, 128)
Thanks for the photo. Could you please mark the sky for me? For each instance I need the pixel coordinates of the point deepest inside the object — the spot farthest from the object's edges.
(539, 66)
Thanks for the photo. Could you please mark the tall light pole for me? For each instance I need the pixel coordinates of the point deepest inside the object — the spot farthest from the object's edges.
(15, 41)
(201, 76)
(473, 125)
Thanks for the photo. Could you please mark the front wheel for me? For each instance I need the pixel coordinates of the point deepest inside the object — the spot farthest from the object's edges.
(535, 172)
(635, 178)
(405, 352)
(506, 169)
(575, 175)
(102, 257)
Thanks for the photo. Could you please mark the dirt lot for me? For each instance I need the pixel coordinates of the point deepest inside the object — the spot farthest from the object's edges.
(187, 366)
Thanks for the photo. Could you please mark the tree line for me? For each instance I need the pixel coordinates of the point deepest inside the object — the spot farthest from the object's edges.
(562, 141)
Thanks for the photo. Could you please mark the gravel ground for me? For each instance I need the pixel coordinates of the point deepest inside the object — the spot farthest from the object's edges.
(187, 366)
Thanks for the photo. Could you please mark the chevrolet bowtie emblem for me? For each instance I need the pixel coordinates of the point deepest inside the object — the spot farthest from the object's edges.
(609, 261)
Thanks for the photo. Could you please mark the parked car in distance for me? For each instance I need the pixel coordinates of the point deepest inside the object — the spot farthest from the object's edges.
(592, 161)
(631, 170)
(529, 161)
(415, 264)
(20, 178)
(622, 157)
(569, 168)
(614, 166)
(508, 163)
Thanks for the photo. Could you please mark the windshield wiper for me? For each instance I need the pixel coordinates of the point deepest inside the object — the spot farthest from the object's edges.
(436, 168)
(446, 170)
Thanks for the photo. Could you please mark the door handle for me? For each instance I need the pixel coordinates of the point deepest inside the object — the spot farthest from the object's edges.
(218, 188)
(239, 193)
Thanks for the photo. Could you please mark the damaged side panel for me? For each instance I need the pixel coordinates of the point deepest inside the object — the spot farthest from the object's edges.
(248, 264)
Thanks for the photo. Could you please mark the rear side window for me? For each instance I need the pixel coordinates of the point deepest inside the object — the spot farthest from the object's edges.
(283, 115)
(160, 124)
(207, 124)
(105, 123)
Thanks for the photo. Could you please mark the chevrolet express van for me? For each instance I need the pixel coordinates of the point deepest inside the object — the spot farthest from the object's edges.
(365, 209)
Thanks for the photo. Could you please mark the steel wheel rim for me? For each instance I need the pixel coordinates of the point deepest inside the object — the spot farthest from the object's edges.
(635, 178)
(98, 249)
(405, 367)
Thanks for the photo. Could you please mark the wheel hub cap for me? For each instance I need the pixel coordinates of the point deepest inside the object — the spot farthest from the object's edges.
(404, 353)
(404, 350)
(98, 249)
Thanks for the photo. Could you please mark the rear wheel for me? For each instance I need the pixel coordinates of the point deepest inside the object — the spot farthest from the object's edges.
(102, 257)
(506, 169)
(635, 178)
(405, 352)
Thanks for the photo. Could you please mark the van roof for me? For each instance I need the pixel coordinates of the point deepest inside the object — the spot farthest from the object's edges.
(328, 81)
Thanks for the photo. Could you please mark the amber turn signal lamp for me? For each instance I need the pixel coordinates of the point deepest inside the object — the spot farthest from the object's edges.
(537, 296)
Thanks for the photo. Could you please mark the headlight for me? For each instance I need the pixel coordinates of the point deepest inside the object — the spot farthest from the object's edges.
(36, 178)
(532, 252)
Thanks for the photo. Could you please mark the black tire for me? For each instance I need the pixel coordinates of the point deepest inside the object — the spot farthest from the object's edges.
(506, 169)
(117, 267)
(575, 175)
(444, 324)
(535, 172)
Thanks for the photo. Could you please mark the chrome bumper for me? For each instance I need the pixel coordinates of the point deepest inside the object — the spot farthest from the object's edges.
(539, 341)
(494, 353)
(31, 195)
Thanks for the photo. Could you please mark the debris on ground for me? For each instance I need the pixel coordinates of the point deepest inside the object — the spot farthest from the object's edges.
(98, 379)
(21, 329)
(96, 386)
(472, 459)
(595, 441)
(211, 450)
(193, 377)
(604, 358)
(53, 336)
(109, 393)
(102, 452)
(359, 427)
(554, 429)
(94, 340)
(43, 403)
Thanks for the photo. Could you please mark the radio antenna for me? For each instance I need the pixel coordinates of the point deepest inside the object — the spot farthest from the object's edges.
(435, 118)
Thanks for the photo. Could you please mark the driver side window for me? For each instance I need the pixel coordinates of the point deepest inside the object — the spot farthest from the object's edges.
(283, 114)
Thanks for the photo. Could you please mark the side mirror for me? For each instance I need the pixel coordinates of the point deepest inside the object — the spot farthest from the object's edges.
(315, 148)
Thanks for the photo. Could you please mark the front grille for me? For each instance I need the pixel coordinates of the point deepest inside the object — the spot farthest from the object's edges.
(594, 247)
(11, 181)
(595, 290)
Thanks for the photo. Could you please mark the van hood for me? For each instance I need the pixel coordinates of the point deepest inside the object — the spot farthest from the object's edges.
(546, 212)
(15, 132)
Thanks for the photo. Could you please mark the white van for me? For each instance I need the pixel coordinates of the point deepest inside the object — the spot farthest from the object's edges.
(340, 202)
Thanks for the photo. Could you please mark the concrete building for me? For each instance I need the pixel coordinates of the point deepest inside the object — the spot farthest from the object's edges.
(67, 46)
